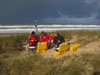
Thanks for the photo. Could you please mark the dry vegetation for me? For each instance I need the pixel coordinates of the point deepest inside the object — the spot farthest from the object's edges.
(84, 61)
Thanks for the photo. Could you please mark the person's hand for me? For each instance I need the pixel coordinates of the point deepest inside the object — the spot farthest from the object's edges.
(59, 41)
(49, 41)
(32, 40)
(35, 40)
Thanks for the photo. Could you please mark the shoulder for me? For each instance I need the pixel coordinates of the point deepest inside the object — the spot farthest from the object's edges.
(61, 36)
(36, 36)
(30, 36)
(49, 35)
(41, 36)
(54, 37)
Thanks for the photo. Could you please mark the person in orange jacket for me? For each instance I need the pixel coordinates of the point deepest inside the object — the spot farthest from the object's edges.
(32, 39)
(46, 38)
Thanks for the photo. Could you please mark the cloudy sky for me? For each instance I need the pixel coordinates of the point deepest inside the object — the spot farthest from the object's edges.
(50, 11)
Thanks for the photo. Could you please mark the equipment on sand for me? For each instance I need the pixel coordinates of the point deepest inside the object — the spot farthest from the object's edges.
(62, 48)
(74, 47)
(42, 47)
(65, 47)
(27, 47)
(36, 27)
(31, 47)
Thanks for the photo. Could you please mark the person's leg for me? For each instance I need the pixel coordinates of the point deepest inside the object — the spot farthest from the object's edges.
(49, 44)
(62, 42)
(36, 45)
(57, 47)
(27, 47)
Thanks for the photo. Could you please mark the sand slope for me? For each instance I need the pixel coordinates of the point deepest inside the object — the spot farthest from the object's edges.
(93, 47)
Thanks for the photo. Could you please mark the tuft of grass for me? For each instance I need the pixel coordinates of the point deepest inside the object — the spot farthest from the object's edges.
(12, 43)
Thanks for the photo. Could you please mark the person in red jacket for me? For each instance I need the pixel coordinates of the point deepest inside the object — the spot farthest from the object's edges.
(32, 39)
(46, 38)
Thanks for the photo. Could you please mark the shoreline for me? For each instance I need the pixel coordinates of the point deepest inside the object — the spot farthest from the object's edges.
(9, 34)
(46, 28)
(16, 33)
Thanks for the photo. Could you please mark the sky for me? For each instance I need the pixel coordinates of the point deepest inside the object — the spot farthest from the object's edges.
(50, 11)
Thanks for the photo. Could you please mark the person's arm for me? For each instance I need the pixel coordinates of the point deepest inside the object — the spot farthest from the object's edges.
(54, 40)
(28, 39)
(62, 39)
(36, 39)
(41, 38)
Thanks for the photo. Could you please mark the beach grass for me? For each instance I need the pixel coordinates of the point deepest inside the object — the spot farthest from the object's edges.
(16, 61)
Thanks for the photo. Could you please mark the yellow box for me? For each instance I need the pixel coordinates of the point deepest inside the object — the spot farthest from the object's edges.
(40, 50)
(57, 52)
(74, 47)
(62, 48)
(42, 47)
(77, 45)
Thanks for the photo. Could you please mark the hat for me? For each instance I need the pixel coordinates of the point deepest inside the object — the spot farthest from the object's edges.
(44, 33)
(32, 32)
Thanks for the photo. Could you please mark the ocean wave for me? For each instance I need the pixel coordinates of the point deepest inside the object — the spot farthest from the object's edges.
(21, 26)
(29, 28)
(42, 29)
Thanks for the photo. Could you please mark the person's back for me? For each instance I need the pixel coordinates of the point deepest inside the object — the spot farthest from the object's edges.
(46, 38)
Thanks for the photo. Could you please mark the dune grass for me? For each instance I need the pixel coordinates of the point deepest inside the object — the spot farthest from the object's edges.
(12, 43)
(86, 64)
(18, 62)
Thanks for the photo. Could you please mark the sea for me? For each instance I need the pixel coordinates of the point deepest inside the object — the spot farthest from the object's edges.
(47, 28)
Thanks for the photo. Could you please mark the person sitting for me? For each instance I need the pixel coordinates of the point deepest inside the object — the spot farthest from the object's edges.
(32, 39)
(57, 40)
(46, 38)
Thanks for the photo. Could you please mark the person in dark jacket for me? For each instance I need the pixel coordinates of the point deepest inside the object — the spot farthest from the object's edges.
(58, 39)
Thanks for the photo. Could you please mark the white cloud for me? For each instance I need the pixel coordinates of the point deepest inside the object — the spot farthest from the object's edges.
(67, 20)
(96, 2)
(91, 1)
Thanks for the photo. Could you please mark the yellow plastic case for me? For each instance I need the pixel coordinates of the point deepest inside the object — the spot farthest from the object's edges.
(62, 48)
(74, 47)
(42, 47)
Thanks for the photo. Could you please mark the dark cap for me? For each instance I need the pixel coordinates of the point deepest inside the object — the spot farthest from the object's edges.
(32, 32)
(44, 33)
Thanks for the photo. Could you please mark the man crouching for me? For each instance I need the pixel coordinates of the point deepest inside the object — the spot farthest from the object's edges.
(46, 38)
(32, 40)
(57, 40)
